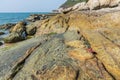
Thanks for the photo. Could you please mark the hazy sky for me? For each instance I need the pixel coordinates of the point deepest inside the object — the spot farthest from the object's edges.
(29, 5)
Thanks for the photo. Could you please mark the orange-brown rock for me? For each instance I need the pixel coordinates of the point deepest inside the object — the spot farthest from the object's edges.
(102, 32)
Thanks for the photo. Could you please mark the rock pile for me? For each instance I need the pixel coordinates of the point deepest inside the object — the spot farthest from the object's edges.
(6, 26)
(36, 17)
(17, 33)
(20, 32)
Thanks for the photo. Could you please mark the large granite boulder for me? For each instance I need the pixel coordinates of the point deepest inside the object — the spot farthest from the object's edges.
(19, 27)
(56, 24)
(17, 33)
(33, 18)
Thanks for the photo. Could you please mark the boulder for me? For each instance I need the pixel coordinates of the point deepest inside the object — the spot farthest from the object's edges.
(1, 33)
(31, 29)
(93, 4)
(14, 54)
(7, 26)
(1, 43)
(14, 37)
(19, 27)
(33, 18)
(17, 33)
(114, 3)
(37, 17)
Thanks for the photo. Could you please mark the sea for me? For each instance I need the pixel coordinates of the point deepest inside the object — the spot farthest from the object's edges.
(16, 17)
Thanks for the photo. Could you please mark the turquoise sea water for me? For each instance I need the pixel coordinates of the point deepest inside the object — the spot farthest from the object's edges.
(15, 17)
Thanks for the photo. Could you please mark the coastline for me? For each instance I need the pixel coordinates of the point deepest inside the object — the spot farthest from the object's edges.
(71, 45)
(33, 16)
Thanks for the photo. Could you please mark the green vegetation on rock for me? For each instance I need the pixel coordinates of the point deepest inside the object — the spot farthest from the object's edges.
(52, 33)
(70, 3)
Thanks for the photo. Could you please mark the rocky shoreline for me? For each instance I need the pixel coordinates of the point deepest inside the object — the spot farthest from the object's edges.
(78, 45)
(19, 31)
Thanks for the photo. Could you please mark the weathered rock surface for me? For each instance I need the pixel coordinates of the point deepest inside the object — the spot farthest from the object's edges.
(14, 55)
(73, 46)
(17, 33)
(102, 33)
(91, 5)
(19, 27)
(51, 57)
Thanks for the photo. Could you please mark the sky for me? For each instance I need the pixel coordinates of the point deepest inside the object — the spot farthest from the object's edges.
(29, 5)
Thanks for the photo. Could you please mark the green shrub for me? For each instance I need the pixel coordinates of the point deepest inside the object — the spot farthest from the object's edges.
(70, 3)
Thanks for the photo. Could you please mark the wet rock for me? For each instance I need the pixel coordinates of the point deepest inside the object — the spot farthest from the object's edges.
(103, 38)
(16, 53)
(57, 24)
(36, 17)
(1, 43)
(101, 34)
(14, 37)
(19, 27)
(33, 18)
(17, 33)
(7, 26)
(1, 33)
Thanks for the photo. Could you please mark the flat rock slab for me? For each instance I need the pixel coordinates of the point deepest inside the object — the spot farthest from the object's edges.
(11, 55)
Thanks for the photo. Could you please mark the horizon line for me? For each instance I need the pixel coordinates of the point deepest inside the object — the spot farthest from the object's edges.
(29, 12)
